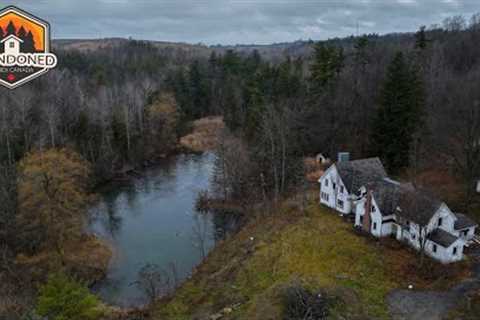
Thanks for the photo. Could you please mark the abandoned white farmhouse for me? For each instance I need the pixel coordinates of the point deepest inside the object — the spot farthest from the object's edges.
(384, 207)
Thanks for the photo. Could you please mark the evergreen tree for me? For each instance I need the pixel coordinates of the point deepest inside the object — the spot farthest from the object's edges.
(254, 101)
(399, 115)
(11, 29)
(199, 91)
(328, 62)
(21, 33)
(421, 39)
(29, 43)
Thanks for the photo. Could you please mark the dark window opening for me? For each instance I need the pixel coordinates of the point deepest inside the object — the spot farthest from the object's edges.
(434, 248)
(454, 251)
(374, 226)
(12, 44)
(440, 221)
(340, 204)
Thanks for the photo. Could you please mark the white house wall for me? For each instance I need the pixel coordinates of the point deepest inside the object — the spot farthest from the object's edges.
(461, 233)
(334, 194)
(448, 220)
(445, 255)
(387, 227)
(379, 230)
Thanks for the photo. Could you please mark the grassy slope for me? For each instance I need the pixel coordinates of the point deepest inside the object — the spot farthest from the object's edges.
(319, 249)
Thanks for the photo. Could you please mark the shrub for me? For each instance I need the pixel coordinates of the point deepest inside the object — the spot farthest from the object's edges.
(301, 303)
(63, 298)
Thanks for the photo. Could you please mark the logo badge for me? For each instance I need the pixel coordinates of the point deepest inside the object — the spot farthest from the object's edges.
(24, 47)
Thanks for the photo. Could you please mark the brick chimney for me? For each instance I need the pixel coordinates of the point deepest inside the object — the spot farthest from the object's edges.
(367, 218)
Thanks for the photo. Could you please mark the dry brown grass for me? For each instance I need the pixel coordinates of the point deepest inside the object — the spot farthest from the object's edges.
(88, 259)
(319, 249)
(204, 135)
(404, 263)
(313, 169)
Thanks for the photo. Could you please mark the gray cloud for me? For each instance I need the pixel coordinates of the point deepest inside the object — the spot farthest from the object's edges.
(241, 21)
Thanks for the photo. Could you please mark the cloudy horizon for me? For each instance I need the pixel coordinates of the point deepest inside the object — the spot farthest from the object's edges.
(240, 22)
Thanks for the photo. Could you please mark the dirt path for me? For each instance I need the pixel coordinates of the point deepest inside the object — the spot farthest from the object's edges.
(432, 305)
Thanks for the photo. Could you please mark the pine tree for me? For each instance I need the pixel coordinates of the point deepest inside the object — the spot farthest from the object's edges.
(11, 29)
(254, 102)
(199, 91)
(29, 43)
(21, 33)
(399, 115)
(327, 65)
(421, 39)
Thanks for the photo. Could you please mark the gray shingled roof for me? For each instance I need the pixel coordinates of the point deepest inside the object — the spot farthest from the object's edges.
(463, 221)
(417, 205)
(386, 193)
(442, 237)
(358, 173)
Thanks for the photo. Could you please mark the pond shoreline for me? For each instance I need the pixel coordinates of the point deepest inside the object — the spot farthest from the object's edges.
(153, 214)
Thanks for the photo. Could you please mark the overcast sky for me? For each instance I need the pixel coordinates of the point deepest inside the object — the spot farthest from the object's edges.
(246, 21)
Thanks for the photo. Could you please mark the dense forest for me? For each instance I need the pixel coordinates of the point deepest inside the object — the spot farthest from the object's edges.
(411, 99)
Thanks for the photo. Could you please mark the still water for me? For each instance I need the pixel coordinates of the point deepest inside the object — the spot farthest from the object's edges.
(152, 219)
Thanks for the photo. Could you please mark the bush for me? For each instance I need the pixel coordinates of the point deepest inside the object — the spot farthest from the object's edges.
(62, 298)
(301, 303)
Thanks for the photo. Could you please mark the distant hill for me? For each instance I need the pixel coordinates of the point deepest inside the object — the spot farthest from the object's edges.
(275, 51)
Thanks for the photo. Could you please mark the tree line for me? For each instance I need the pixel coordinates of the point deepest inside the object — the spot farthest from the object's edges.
(410, 99)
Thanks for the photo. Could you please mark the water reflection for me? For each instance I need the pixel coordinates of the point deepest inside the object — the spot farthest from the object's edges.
(151, 219)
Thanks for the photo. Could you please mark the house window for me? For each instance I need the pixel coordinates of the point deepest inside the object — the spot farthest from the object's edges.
(413, 236)
(12, 44)
(373, 208)
(454, 251)
(361, 219)
(374, 226)
(465, 233)
(334, 185)
(434, 248)
(340, 203)
(440, 221)
(326, 182)
(341, 189)
(324, 196)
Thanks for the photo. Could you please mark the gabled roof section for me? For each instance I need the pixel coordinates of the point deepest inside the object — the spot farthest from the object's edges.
(358, 173)
(417, 205)
(442, 238)
(10, 37)
(386, 193)
(463, 222)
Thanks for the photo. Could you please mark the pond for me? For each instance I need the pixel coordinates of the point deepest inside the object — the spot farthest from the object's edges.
(152, 219)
